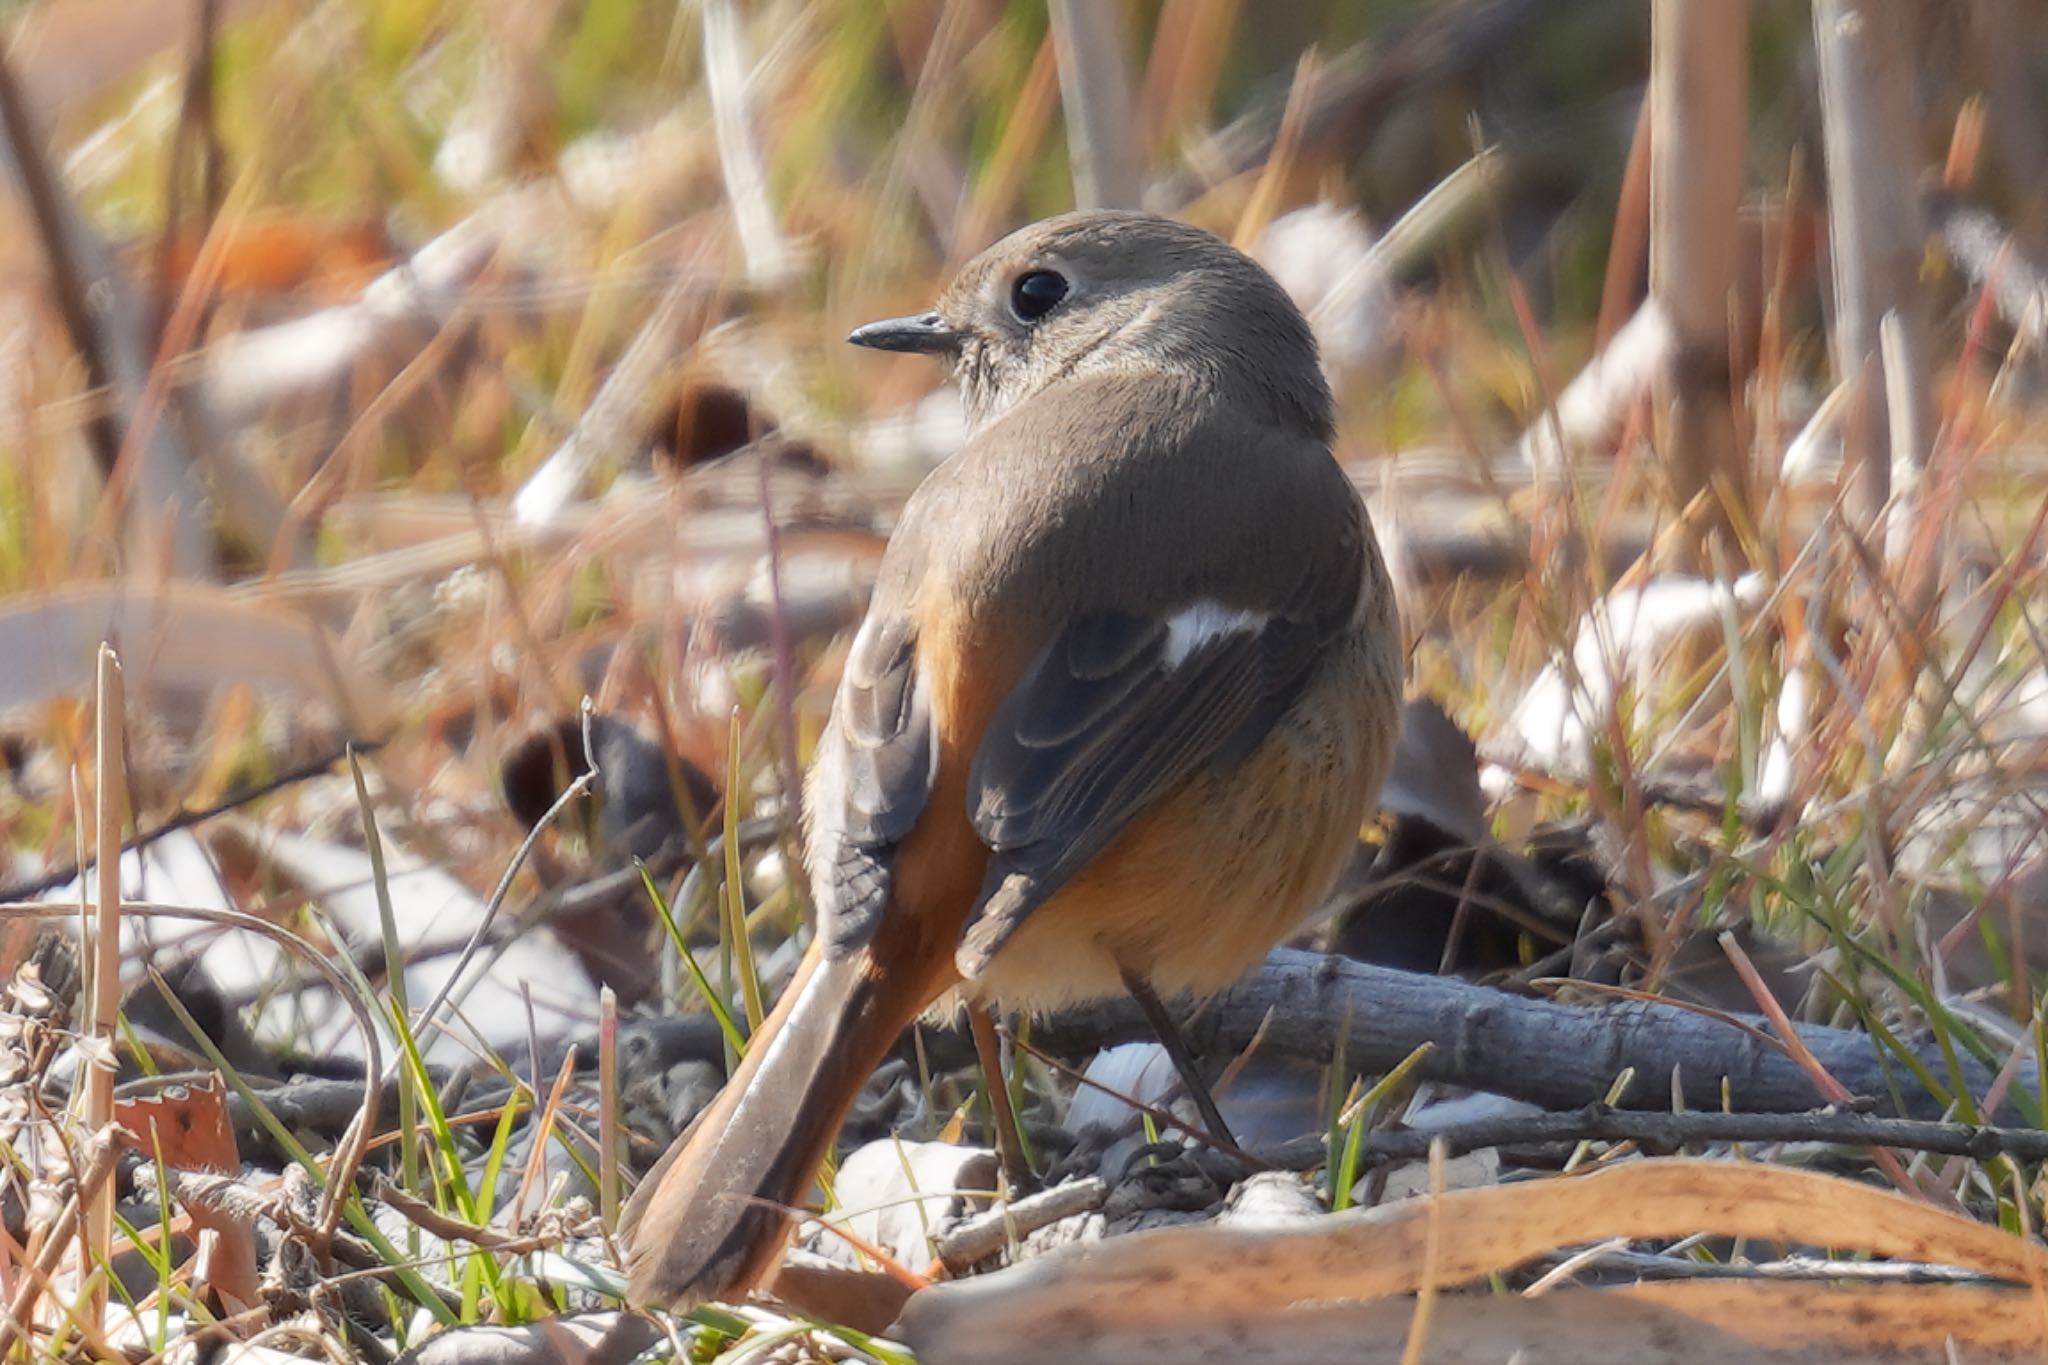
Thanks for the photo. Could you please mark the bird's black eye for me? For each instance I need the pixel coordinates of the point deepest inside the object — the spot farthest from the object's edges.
(1036, 293)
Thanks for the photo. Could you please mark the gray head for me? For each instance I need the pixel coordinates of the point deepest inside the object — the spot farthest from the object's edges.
(1093, 291)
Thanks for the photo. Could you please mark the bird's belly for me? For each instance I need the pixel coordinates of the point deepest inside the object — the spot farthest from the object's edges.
(1200, 889)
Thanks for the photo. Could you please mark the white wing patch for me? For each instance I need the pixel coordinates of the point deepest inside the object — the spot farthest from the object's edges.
(1206, 620)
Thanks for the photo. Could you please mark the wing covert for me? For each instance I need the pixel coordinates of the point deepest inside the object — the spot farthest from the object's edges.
(1115, 712)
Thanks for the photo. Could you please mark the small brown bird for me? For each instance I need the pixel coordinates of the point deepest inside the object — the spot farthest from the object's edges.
(1129, 683)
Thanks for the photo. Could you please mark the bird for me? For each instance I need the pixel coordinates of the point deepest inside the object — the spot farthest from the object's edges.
(1126, 690)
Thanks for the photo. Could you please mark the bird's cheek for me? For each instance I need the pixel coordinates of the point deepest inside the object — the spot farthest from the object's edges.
(978, 394)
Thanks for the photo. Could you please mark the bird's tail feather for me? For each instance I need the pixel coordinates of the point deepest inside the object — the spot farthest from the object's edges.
(710, 1220)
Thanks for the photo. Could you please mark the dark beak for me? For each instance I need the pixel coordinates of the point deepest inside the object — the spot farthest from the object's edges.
(927, 333)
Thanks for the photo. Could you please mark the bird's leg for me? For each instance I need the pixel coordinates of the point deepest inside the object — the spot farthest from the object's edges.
(1177, 1052)
(1017, 1176)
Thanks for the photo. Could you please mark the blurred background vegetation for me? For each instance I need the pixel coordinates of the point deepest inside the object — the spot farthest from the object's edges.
(400, 372)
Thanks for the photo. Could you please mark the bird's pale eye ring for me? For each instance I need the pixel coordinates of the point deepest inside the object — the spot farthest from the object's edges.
(1036, 293)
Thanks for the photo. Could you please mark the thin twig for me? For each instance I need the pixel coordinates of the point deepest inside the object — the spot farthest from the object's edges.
(67, 280)
(1670, 1132)
(1704, 796)
(197, 130)
(1647, 1265)
(1699, 107)
(429, 1023)
(982, 1236)
(746, 180)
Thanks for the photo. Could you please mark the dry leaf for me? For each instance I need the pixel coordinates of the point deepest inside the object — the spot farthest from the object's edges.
(184, 1126)
(279, 253)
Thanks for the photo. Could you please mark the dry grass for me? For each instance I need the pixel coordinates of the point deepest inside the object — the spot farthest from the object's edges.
(381, 399)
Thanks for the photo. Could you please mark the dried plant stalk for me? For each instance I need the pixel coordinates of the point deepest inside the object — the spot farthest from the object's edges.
(1877, 233)
(1095, 88)
(110, 800)
(1699, 112)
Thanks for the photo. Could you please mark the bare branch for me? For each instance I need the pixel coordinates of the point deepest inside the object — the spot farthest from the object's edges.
(1556, 1055)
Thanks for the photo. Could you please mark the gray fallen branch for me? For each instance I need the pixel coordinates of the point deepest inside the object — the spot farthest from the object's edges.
(1556, 1055)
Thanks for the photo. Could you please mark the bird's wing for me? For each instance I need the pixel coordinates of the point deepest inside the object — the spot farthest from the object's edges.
(875, 767)
(1115, 712)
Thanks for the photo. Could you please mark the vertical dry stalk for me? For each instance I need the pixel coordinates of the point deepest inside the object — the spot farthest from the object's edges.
(1002, 175)
(110, 800)
(732, 123)
(1264, 205)
(608, 1108)
(1906, 426)
(1095, 90)
(1877, 234)
(536, 1173)
(197, 134)
(1188, 83)
(1630, 237)
(1699, 113)
(150, 474)
(37, 184)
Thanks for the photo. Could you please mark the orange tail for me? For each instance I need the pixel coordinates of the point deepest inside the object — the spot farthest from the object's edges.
(710, 1220)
